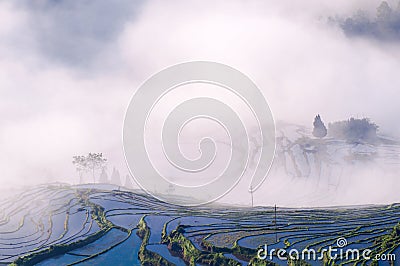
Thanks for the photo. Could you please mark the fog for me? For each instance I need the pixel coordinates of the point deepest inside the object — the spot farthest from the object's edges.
(69, 69)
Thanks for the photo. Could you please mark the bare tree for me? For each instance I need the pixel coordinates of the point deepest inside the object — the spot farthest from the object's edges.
(89, 163)
(81, 166)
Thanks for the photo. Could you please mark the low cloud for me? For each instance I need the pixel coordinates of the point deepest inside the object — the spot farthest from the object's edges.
(69, 69)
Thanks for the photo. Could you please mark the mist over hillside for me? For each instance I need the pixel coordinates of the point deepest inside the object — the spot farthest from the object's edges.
(69, 70)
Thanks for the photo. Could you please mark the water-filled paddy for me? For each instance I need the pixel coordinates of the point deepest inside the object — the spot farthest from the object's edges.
(97, 225)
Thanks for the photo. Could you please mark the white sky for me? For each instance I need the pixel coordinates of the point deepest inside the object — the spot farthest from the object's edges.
(68, 69)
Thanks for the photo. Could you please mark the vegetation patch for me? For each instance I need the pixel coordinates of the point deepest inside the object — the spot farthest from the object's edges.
(146, 256)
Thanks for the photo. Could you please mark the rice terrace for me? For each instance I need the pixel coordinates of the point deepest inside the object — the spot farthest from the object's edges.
(89, 225)
(200, 133)
(98, 224)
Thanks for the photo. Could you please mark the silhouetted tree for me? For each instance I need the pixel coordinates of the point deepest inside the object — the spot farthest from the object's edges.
(103, 176)
(354, 130)
(115, 177)
(384, 12)
(385, 25)
(81, 166)
(128, 182)
(89, 163)
(319, 130)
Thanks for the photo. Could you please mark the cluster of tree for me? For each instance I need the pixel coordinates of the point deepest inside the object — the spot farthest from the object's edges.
(90, 163)
(351, 130)
(115, 178)
(354, 130)
(95, 165)
(385, 24)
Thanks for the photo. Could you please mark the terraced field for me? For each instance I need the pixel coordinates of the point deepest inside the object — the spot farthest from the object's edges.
(101, 225)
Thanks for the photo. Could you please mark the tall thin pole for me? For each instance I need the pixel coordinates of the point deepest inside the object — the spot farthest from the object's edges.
(252, 200)
(276, 228)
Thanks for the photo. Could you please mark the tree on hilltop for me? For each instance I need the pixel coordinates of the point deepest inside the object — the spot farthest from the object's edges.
(115, 177)
(89, 163)
(319, 130)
